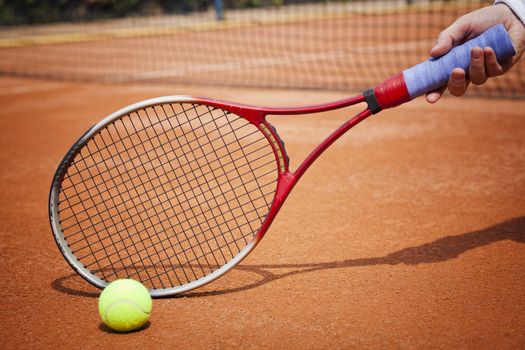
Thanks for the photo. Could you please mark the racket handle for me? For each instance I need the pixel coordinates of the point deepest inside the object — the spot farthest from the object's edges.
(435, 72)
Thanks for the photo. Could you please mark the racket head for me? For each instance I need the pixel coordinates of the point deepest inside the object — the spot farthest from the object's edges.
(98, 186)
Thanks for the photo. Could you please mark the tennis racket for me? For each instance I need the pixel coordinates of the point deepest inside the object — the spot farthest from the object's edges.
(175, 191)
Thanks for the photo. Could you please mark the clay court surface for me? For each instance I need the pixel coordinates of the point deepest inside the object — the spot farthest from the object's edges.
(409, 232)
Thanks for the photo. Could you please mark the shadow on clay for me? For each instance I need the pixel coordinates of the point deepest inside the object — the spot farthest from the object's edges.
(102, 326)
(440, 250)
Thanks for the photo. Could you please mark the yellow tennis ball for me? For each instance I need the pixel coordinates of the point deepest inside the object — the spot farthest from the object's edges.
(125, 305)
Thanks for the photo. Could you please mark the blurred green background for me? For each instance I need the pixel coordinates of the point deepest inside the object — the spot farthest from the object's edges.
(18, 12)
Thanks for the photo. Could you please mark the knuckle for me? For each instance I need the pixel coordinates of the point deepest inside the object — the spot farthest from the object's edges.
(476, 67)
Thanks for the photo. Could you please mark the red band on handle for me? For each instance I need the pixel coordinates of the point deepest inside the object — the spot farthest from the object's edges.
(392, 92)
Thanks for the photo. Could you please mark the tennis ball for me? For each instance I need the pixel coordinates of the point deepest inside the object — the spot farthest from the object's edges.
(124, 305)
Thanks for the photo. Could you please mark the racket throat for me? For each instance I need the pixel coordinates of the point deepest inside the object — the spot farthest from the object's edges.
(286, 183)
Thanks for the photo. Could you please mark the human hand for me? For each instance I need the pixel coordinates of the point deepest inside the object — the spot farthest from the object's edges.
(483, 62)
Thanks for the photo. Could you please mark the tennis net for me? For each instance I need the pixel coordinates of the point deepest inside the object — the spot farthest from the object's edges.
(336, 45)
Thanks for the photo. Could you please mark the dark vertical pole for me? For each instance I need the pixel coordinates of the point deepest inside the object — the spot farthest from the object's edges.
(218, 10)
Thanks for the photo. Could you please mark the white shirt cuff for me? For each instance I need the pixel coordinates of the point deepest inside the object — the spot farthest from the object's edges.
(517, 6)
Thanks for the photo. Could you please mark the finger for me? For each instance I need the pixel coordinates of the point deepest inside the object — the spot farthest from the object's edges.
(435, 95)
(457, 84)
(492, 67)
(476, 70)
(453, 35)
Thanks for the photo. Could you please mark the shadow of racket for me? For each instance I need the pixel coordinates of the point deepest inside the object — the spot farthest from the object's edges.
(440, 250)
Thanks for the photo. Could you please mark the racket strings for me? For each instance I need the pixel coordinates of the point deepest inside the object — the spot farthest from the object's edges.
(262, 197)
(166, 271)
(194, 253)
(79, 248)
(190, 263)
(166, 201)
(196, 235)
(136, 157)
(167, 194)
(110, 239)
(230, 220)
(204, 174)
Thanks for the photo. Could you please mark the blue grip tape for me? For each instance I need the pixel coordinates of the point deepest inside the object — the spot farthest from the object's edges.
(434, 72)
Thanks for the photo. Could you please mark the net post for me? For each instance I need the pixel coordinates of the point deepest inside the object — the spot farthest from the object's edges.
(219, 14)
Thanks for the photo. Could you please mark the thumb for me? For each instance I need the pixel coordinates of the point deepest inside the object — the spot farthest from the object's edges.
(454, 35)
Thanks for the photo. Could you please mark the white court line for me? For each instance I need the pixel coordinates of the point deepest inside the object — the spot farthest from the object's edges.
(276, 61)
